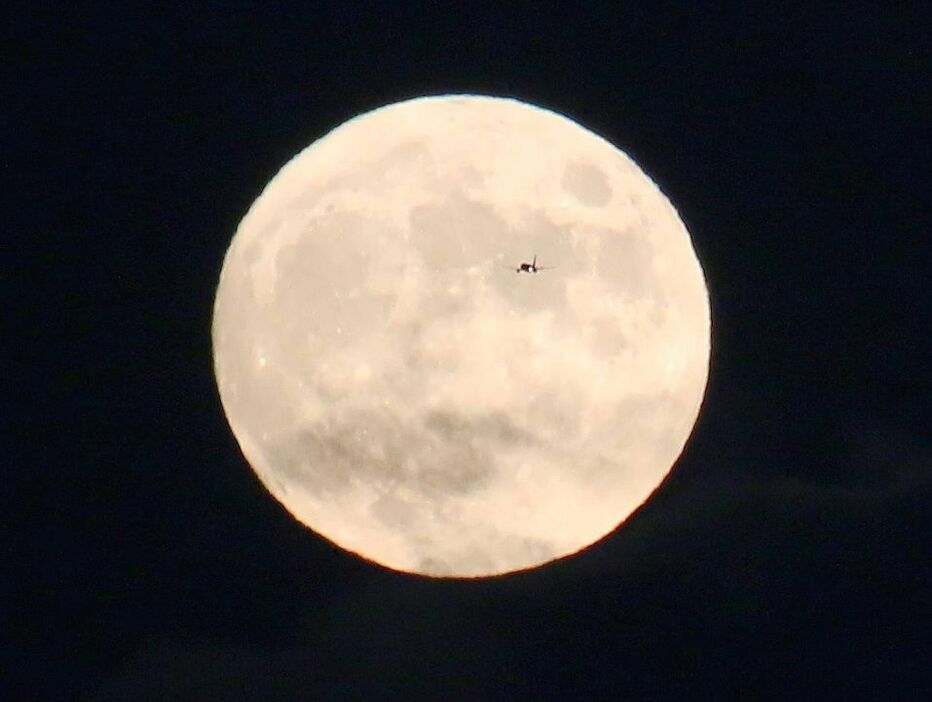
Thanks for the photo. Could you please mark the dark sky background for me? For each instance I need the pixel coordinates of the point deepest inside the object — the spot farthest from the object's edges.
(787, 556)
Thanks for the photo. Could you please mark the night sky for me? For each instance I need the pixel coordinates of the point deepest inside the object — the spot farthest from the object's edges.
(787, 555)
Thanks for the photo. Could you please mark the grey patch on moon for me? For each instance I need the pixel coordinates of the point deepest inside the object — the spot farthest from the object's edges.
(607, 337)
(321, 279)
(552, 243)
(395, 511)
(625, 261)
(453, 458)
(553, 247)
(495, 428)
(559, 415)
(587, 184)
(455, 233)
(399, 158)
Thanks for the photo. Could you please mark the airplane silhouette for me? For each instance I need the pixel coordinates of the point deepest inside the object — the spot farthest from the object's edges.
(532, 267)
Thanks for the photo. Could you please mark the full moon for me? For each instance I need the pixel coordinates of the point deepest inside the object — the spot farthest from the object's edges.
(406, 391)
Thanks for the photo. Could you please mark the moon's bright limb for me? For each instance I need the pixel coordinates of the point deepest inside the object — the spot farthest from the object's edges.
(401, 391)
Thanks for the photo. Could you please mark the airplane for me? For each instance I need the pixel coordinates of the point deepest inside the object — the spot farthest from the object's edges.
(532, 267)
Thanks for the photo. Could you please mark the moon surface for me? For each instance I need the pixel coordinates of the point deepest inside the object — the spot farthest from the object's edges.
(403, 392)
